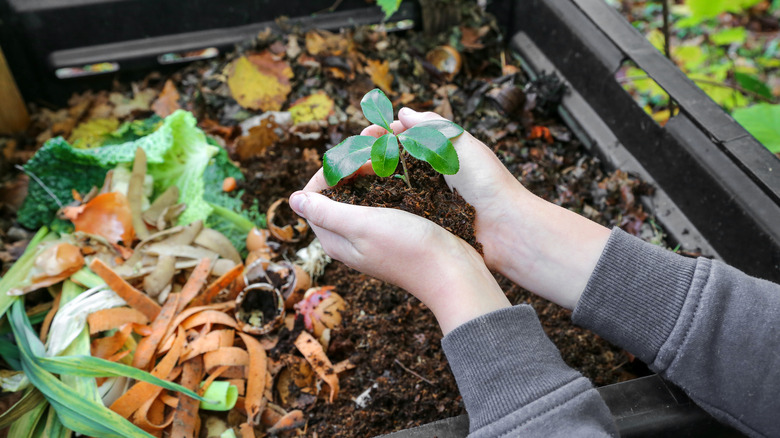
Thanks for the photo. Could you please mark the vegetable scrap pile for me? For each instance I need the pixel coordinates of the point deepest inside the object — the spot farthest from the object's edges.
(234, 151)
(154, 322)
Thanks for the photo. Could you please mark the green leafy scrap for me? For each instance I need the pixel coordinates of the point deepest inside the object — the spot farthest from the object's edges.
(60, 168)
(181, 164)
(177, 154)
(228, 215)
(131, 131)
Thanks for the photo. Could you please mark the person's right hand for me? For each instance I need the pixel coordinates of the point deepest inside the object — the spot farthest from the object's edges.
(545, 248)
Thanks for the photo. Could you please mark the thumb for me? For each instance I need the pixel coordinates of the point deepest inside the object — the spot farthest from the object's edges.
(322, 211)
(410, 117)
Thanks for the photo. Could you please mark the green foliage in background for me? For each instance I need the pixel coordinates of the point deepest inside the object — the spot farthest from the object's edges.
(736, 67)
(388, 6)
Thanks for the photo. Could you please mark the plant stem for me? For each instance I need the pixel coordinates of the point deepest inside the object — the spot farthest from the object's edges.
(406, 171)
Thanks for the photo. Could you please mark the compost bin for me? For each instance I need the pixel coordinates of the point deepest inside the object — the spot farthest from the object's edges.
(716, 188)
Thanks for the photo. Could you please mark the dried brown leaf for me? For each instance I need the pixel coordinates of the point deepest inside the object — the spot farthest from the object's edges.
(168, 102)
(379, 71)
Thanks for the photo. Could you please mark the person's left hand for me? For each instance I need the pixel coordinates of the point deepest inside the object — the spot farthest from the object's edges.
(440, 269)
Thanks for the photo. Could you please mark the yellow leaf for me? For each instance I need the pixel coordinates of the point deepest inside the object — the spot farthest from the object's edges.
(259, 81)
(379, 71)
(317, 106)
(91, 133)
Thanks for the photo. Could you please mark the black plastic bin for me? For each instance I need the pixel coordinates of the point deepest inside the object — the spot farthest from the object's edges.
(717, 188)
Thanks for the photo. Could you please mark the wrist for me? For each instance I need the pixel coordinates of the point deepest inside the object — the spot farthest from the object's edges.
(465, 290)
(552, 251)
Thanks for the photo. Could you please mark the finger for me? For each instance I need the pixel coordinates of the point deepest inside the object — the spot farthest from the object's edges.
(317, 182)
(397, 127)
(335, 245)
(409, 117)
(326, 213)
(374, 131)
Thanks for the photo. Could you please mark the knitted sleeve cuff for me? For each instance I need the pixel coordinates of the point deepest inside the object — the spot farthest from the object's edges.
(503, 361)
(635, 294)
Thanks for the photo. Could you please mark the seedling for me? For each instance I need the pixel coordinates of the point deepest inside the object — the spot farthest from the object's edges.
(428, 141)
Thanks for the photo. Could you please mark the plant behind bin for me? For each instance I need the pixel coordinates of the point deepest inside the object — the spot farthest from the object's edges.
(428, 141)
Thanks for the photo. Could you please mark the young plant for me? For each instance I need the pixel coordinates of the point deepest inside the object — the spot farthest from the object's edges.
(428, 141)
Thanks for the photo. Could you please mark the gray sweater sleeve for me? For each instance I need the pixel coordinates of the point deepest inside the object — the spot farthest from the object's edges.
(514, 382)
(709, 328)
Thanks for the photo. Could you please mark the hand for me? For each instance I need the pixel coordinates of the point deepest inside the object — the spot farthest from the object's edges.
(440, 269)
(544, 248)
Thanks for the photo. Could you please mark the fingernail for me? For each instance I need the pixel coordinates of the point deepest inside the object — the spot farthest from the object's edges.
(298, 202)
(406, 110)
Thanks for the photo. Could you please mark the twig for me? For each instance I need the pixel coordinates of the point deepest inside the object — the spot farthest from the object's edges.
(40, 183)
(331, 8)
(667, 44)
(413, 373)
(709, 82)
(618, 366)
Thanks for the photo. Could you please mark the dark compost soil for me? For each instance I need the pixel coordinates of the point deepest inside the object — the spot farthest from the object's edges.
(429, 197)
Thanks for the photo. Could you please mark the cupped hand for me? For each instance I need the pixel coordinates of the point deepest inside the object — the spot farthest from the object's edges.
(440, 269)
(488, 186)
(546, 249)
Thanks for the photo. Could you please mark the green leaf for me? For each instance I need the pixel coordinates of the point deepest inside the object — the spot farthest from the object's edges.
(707, 8)
(754, 84)
(345, 158)
(31, 399)
(432, 147)
(377, 108)
(10, 354)
(763, 122)
(449, 129)
(84, 386)
(388, 6)
(88, 366)
(27, 423)
(52, 427)
(384, 155)
(690, 56)
(20, 269)
(80, 415)
(734, 35)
